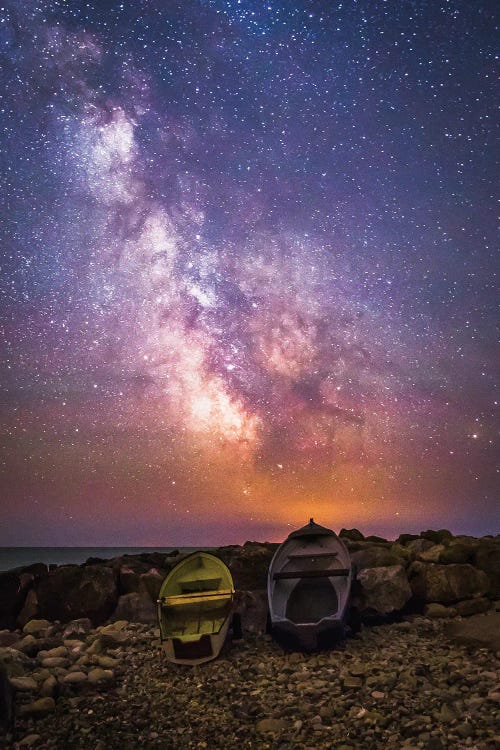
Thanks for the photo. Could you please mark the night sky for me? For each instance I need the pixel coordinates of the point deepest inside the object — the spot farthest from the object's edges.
(248, 269)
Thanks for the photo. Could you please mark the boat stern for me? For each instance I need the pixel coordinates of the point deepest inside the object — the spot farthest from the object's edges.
(309, 636)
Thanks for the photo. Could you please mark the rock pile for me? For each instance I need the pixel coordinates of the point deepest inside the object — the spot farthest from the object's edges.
(397, 686)
(434, 574)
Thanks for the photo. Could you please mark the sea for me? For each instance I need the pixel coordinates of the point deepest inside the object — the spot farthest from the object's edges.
(15, 557)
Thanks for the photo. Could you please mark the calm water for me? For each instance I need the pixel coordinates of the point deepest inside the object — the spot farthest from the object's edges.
(14, 557)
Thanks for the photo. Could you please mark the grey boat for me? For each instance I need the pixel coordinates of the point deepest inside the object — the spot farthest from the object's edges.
(309, 584)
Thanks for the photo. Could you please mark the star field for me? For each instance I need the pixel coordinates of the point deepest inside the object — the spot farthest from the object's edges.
(248, 267)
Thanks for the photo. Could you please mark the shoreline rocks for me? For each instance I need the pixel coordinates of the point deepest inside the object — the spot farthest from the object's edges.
(407, 685)
(393, 578)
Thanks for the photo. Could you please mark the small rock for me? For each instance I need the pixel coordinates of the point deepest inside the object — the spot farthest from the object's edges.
(447, 714)
(53, 652)
(352, 682)
(74, 678)
(28, 645)
(271, 725)
(472, 606)
(7, 638)
(28, 741)
(75, 628)
(48, 687)
(434, 610)
(107, 662)
(40, 674)
(54, 661)
(378, 695)
(33, 627)
(97, 676)
(114, 627)
(357, 670)
(106, 640)
(40, 707)
(464, 730)
(24, 684)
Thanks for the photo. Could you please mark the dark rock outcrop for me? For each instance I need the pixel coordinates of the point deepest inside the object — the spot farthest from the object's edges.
(447, 583)
(487, 559)
(14, 586)
(480, 630)
(248, 564)
(382, 590)
(71, 592)
(252, 607)
(135, 607)
(460, 574)
(442, 536)
(354, 535)
(458, 553)
(375, 556)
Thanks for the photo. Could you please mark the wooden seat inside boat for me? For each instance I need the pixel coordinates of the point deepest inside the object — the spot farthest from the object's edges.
(197, 598)
(311, 556)
(326, 573)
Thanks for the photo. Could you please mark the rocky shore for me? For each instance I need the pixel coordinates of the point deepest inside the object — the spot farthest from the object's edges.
(80, 647)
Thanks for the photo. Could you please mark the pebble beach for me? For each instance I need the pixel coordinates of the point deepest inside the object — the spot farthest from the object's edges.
(405, 685)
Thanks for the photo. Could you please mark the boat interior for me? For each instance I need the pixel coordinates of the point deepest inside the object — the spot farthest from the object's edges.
(196, 601)
(311, 583)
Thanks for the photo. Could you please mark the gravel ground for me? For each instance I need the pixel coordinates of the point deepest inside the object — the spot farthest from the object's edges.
(398, 686)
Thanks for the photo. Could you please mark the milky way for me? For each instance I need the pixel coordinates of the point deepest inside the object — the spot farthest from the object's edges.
(248, 266)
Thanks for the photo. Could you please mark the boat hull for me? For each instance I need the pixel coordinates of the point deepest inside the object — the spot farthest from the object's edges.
(204, 649)
(315, 637)
(309, 583)
(195, 609)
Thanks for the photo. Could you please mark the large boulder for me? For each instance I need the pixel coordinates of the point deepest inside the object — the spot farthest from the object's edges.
(11, 598)
(375, 556)
(457, 553)
(446, 583)
(482, 631)
(132, 562)
(29, 610)
(129, 580)
(469, 607)
(354, 535)
(135, 607)
(433, 554)
(442, 536)
(14, 586)
(417, 546)
(252, 607)
(248, 564)
(487, 559)
(13, 662)
(382, 590)
(151, 583)
(405, 538)
(71, 592)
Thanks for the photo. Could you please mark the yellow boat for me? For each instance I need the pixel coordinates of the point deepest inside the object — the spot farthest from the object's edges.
(195, 608)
